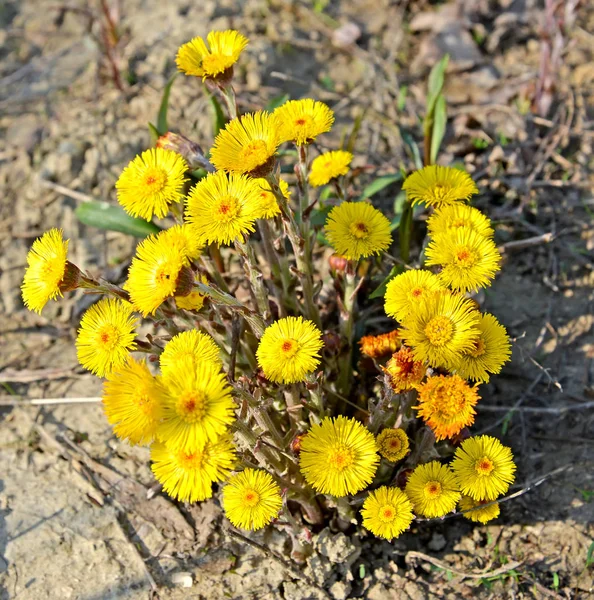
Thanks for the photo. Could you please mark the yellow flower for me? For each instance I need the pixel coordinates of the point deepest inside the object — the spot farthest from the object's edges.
(357, 229)
(186, 238)
(393, 444)
(106, 336)
(376, 346)
(195, 58)
(453, 216)
(484, 467)
(151, 182)
(198, 406)
(405, 291)
(475, 511)
(155, 273)
(188, 476)
(251, 499)
(441, 329)
(387, 512)
(132, 402)
(338, 457)
(248, 144)
(436, 185)
(289, 350)
(193, 346)
(222, 208)
(268, 207)
(194, 300)
(46, 270)
(490, 352)
(469, 260)
(328, 166)
(446, 404)
(433, 490)
(301, 121)
(404, 371)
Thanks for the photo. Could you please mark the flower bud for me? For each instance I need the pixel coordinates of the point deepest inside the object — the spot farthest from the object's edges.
(338, 263)
(402, 478)
(185, 282)
(71, 278)
(191, 151)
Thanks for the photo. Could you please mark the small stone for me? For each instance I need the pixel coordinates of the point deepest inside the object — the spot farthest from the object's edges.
(182, 579)
(437, 542)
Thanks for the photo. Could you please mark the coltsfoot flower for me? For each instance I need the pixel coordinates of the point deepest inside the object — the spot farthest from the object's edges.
(302, 121)
(185, 238)
(433, 490)
(490, 352)
(247, 145)
(251, 499)
(357, 229)
(453, 216)
(151, 182)
(468, 259)
(193, 346)
(268, 206)
(446, 404)
(106, 336)
(329, 166)
(132, 402)
(224, 48)
(387, 512)
(376, 346)
(197, 407)
(188, 476)
(338, 457)
(435, 185)
(222, 208)
(484, 467)
(194, 300)
(393, 444)
(405, 291)
(48, 272)
(476, 511)
(289, 350)
(404, 371)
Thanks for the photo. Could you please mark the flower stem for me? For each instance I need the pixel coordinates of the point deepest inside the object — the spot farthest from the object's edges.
(255, 276)
(347, 319)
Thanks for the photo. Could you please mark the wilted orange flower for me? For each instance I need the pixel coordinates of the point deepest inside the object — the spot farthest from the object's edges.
(405, 372)
(376, 346)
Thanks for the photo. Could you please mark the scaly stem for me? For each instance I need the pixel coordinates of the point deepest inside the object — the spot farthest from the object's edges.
(255, 276)
(264, 455)
(347, 319)
(228, 94)
(214, 273)
(280, 273)
(294, 405)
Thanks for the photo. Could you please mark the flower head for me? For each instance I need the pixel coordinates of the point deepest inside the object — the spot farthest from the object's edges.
(357, 229)
(490, 351)
(453, 216)
(197, 407)
(433, 490)
(46, 270)
(222, 208)
(435, 185)
(194, 300)
(268, 206)
(186, 238)
(132, 402)
(193, 346)
(301, 121)
(338, 456)
(151, 182)
(106, 336)
(484, 467)
(251, 499)
(441, 329)
(468, 259)
(387, 512)
(475, 511)
(393, 444)
(188, 476)
(376, 346)
(195, 58)
(405, 291)
(446, 404)
(289, 350)
(328, 166)
(155, 272)
(248, 144)
(404, 370)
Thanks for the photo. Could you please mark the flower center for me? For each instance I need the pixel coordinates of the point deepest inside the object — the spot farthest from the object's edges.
(144, 402)
(215, 63)
(394, 444)
(289, 348)
(155, 180)
(439, 191)
(479, 348)
(191, 406)
(387, 513)
(251, 498)
(303, 120)
(464, 257)
(227, 209)
(254, 154)
(359, 230)
(439, 331)
(108, 337)
(190, 461)
(432, 490)
(458, 223)
(416, 292)
(341, 458)
(484, 466)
